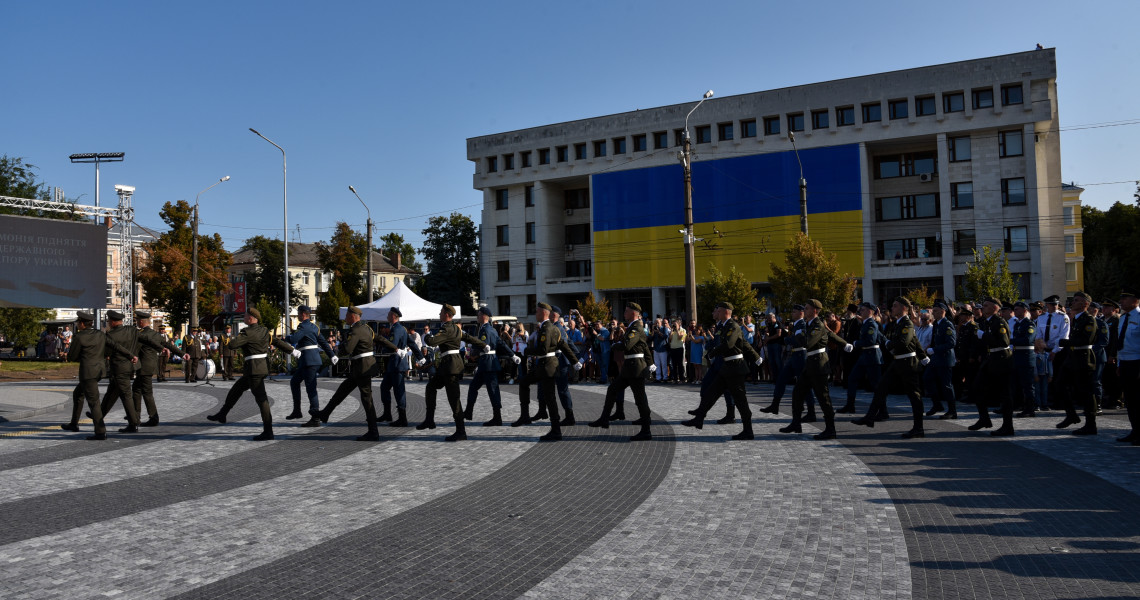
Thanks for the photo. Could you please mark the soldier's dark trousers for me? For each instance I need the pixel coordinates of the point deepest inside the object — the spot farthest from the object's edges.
(1130, 388)
(362, 382)
(162, 366)
(616, 393)
(900, 381)
(711, 375)
(308, 374)
(1024, 371)
(546, 397)
(491, 381)
(806, 385)
(88, 389)
(729, 385)
(227, 367)
(393, 381)
(256, 384)
(119, 387)
(940, 386)
(191, 367)
(143, 390)
(531, 377)
(450, 385)
(1081, 387)
(872, 372)
(562, 384)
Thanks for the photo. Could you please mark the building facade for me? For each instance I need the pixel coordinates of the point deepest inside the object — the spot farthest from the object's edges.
(907, 173)
(1074, 238)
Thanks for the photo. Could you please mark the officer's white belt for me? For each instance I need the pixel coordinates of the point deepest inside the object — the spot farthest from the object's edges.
(629, 356)
(548, 355)
(734, 357)
(908, 355)
(1023, 347)
(449, 352)
(819, 351)
(992, 350)
(313, 347)
(253, 356)
(1082, 347)
(799, 349)
(362, 355)
(875, 347)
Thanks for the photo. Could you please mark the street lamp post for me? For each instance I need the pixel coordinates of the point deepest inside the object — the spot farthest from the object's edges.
(690, 256)
(368, 281)
(285, 220)
(194, 258)
(803, 187)
(97, 158)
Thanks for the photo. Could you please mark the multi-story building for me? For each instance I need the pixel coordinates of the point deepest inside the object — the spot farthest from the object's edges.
(1074, 238)
(907, 172)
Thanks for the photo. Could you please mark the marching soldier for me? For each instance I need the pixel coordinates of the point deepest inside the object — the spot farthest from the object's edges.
(254, 341)
(1080, 366)
(1127, 342)
(448, 372)
(395, 371)
(119, 379)
(732, 348)
(487, 369)
(548, 340)
(634, 366)
(966, 356)
(562, 376)
(91, 347)
(193, 346)
(227, 366)
(307, 338)
(151, 346)
(816, 375)
(993, 374)
(869, 359)
(793, 361)
(939, 373)
(901, 375)
(1024, 332)
(358, 348)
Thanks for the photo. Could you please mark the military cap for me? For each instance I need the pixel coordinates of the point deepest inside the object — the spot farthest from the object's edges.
(868, 306)
(542, 305)
(633, 306)
(941, 305)
(1054, 299)
(815, 304)
(1081, 295)
(555, 309)
(1129, 292)
(355, 310)
(304, 308)
(1096, 305)
(1110, 303)
(852, 308)
(449, 309)
(396, 309)
(142, 314)
(1006, 306)
(1022, 304)
(903, 300)
(485, 310)
(1038, 305)
(84, 316)
(724, 305)
(114, 315)
(797, 307)
(253, 312)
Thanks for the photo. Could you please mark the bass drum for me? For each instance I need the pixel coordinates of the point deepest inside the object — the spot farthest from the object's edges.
(205, 369)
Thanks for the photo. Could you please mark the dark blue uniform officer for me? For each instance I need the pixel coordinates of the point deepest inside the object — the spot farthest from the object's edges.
(307, 339)
(795, 358)
(1021, 337)
(939, 374)
(709, 379)
(396, 370)
(487, 369)
(1100, 350)
(868, 358)
(562, 376)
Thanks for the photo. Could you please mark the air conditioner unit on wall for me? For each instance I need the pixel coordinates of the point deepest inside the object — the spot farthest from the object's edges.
(569, 212)
(926, 177)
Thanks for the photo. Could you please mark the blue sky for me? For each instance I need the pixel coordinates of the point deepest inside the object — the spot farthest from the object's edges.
(382, 96)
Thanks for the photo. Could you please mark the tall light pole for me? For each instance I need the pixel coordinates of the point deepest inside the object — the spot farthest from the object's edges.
(368, 282)
(690, 257)
(803, 187)
(194, 258)
(285, 220)
(97, 158)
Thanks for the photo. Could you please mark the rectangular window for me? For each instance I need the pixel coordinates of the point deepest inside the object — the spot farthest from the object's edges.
(492, 166)
(563, 156)
(579, 198)
(502, 198)
(530, 269)
(528, 195)
(724, 132)
(983, 98)
(820, 119)
(704, 134)
(1011, 94)
(1009, 143)
(924, 106)
(524, 157)
(959, 148)
(579, 151)
(503, 235)
(1067, 211)
(504, 270)
(965, 240)
(845, 115)
(543, 159)
(872, 113)
(504, 304)
(599, 148)
(909, 248)
(1070, 272)
(508, 165)
(771, 125)
(531, 303)
(905, 165)
(748, 128)
(640, 144)
(795, 121)
(304, 279)
(1017, 239)
(678, 137)
(619, 145)
(1013, 191)
(897, 208)
(897, 109)
(962, 194)
(530, 235)
(578, 268)
(953, 102)
(660, 140)
(578, 234)
(1070, 244)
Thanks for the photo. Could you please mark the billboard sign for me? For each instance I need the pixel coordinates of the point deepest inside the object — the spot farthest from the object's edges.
(49, 263)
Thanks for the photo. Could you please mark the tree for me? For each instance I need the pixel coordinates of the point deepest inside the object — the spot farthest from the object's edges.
(270, 313)
(732, 287)
(166, 271)
(22, 326)
(1113, 233)
(592, 310)
(328, 309)
(345, 256)
(267, 280)
(988, 276)
(809, 272)
(451, 250)
(18, 180)
(921, 297)
(392, 244)
(1103, 277)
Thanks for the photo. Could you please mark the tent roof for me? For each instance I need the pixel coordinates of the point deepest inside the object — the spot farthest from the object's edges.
(412, 306)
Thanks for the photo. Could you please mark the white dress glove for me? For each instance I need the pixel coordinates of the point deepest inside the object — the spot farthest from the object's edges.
(488, 349)
(334, 359)
(421, 362)
(981, 334)
(652, 368)
(925, 361)
(296, 353)
(516, 359)
(759, 361)
(930, 351)
(402, 352)
(577, 366)
(848, 348)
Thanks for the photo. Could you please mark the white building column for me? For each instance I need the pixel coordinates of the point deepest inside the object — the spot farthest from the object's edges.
(658, 298)
(547, 243)
(868, 215)
(946, 223)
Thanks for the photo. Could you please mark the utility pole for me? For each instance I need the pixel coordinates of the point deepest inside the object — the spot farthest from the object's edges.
(803, 187)
(368, 277)
(194, 259)
(690, 255)
(97, 158)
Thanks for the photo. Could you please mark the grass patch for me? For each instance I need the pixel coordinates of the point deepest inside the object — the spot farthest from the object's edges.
(12, 365)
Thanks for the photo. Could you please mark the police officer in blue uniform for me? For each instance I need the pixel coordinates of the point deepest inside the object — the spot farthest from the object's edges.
(396, 369)
(562, 376)
(1022, 334)
(868, 355)
(307, 338)
(939, 373)
(487, 369)
(1126, 339)
(901, 375)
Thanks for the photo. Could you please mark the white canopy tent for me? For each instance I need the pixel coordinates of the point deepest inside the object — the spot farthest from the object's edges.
(412, 306)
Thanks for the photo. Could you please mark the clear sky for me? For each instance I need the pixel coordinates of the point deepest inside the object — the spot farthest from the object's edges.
(383, 95)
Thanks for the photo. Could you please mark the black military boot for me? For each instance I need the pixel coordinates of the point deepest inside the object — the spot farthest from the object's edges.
(387, 415)
(828, 432)
(644, 434)
(524, 415)
(1069, 420)
(75, 427)
(729, 416)
(746, 434)
(469, 412)
(460, 431)
(619, 411)
(983, 421)
(218, 418)
(555, 433)
(401, 418)
(313, 421)
(265, 435)
(772, 409)
(496, 418)
(373, 434)
(541, 415)
(429, 420)
(569, 420)
(296, 414)
(811, 417)
(698, 421)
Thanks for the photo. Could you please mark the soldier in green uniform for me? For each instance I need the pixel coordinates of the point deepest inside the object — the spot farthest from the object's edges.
(91, 347)
(151, 346)
(119, 379)
(994, 372)
(632, 374)
(227, 355)
(448, 372)
(254, 341)
(548, 340)
(359, 349)
(192, 345)
(901, 375)
(1080, 367)
(737, 355)
(816, 375)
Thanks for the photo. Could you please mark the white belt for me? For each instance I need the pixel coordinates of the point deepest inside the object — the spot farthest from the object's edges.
(362, 355)
(734, 357)
(1023, 347)
(253, 356)
(552, 355)
(629, 356)
(814, 352)
(904, 355)
(1082, 347)
(313, 347)
(992, 350)
(875, 347)
(449, 352)
(798, 349)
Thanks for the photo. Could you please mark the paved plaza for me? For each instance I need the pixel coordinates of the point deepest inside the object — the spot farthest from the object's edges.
(195, 509)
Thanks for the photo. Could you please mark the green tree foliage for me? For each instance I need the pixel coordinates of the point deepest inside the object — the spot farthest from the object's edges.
(394, 243)
(922, 297)
(1103, 278)
(21, 326)
(18, 180)
(451, 250)
(988, 275)
(267, 280)
(592, 310)
(270, 313)
(809, 272)
(345, 255)
(328, 309)
(1110, 236)
(733, 287)
(166, 270)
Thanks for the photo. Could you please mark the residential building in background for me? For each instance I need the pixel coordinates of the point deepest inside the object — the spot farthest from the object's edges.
(907, 172)
(1074, 238)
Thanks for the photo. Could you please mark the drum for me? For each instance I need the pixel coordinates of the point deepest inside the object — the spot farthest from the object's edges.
(205, 369)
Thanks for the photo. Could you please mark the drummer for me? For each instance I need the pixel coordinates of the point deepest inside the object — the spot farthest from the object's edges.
(307, 338)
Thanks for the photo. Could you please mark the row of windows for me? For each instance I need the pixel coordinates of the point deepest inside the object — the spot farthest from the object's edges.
(575, 234)
(959, 148)
(965, 241)
(921, 206)
(571, 199)
(574, 268)
(871, 112)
